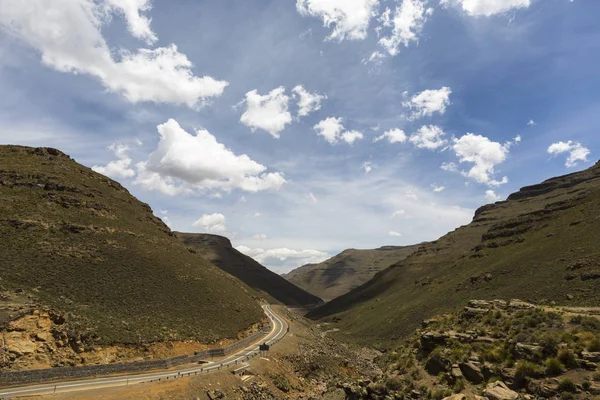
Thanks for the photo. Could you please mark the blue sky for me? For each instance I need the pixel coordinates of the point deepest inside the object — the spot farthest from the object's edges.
(299, 128)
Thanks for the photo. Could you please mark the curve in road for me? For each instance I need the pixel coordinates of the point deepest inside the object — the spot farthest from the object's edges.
(278, 331)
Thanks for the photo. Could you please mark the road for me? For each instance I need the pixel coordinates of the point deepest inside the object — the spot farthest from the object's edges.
(278, 331)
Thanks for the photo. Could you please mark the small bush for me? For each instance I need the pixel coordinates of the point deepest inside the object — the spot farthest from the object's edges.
(567, 358)
(586, 385)
(282, 383)
(393, 383)
(594, 345)
(567, 396)
(459, 386)
(526, 369)
(596, 376)
(567, 385)
(553, 367)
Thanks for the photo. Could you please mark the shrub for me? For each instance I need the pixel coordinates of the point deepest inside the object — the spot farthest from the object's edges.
(586, 385)
(567, 385)
(553, 367)
(393, 383)
(594, 345)
(459, 386)
(596, 376)
(567, 358)
(527, 369)
(282, 383)
(567, 396)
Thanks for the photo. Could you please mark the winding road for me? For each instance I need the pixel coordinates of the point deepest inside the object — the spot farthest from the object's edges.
(279, 329)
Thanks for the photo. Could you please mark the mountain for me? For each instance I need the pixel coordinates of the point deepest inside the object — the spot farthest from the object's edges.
(541, 245)
(85, 250)
(219, 251)
(346, 271)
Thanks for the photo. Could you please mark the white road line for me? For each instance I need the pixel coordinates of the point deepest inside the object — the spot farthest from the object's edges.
(108, 382)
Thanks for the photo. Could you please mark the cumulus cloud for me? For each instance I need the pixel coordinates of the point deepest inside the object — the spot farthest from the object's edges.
(449, 166)
(438, 189)
(332, 129)
(428, 102)
(68, 35)
(119, 168)
(491, 196)
(392, 136)
(487, 8)
(484, 154)
(394, 234)
(429, 137)
(307, 102)
(260, 236)
(211, 223)
(576, 152)
(531, 123)
(399, 214)
(269, 112)
(349, 18)
(138, 24)
(407, 24)
(367, 167)
(184, 163)
(284, 256)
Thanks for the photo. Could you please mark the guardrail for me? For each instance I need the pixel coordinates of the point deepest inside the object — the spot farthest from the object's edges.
(90, 371)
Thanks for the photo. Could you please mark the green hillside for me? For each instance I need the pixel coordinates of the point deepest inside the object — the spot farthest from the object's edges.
(80, 245)
(218, 250)
(347, 270)
(542, 245)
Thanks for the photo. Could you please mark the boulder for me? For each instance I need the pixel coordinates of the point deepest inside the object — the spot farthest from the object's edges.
(472, 372)
(19, 343)
(435, 365)
(456, 372)
(480, 304)
(461, 396)
(523, 350)
(591, 356)
(517, 304)
(499, 391)
(430, 340)
(588, 365)
(548, 388)
(594, 389)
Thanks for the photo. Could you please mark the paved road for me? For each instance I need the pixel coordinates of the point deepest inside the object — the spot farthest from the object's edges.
(278, 331)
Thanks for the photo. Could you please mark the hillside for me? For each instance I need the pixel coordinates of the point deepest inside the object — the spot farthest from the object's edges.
(219, 251)
(540, 245)
(77, 246)
(346, 271)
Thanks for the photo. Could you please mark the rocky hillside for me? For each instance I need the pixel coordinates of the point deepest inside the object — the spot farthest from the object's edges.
(495, 350)
(219, 251)
(96, 267)
(540, 245)
(347, 270)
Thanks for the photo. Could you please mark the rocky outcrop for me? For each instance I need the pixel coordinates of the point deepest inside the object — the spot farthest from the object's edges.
(472, 372)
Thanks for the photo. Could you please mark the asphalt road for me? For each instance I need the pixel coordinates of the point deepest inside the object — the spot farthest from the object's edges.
(278, 331)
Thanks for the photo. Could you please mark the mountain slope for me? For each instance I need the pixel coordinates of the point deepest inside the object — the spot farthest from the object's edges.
(82, 247)
(220, 252)
(346, 271)
(541, 245)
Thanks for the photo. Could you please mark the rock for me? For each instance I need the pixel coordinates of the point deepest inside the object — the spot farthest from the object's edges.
(588, 365)
(472, 372)
(435, 365)
(456, 372)
(472, 312)
(19, 343)
(215, 395)
(594, 389)
(480, 304)
(499, 391)
(430, 340)
(517, 304)
(523, 350)
(591, 356)
(461, 396)
(548, 388)
(44, 336)
(570, 297)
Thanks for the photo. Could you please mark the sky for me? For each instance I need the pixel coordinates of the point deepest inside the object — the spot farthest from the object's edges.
(300, 128)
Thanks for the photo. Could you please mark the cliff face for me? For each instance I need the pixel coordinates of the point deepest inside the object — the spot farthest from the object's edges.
(540, 245)
(76, 244)
(218, 250)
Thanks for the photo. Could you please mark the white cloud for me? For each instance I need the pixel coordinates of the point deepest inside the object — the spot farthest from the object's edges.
(184, 163)
(438, 189)
(269, 112)
(576, 152)
(429, 137)
(164, 216)
(428, 102)
(517, 139)
(332, 129)
(393, 136)
(478, 8)
(407, 24)
(491, 196)
(484, 154)
(138, 24)
(399, 214)
(367, 167)
(119, 168)
(68, 34)
(312, 197)
(211, 223)
(350, 18)
(449, 166)
(531, 123)
(394, 234)
(411, 195)
(260, 236)
(284, 257)
(307, 102)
